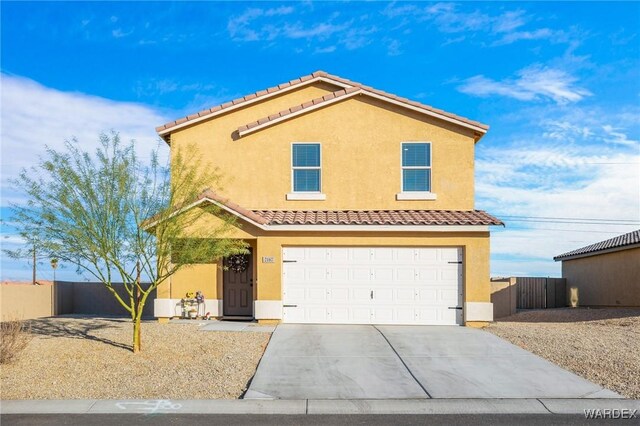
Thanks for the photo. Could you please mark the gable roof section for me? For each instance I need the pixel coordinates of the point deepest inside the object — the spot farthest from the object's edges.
(398, 220)
(260, 95)
(348, 89)
(621, 242)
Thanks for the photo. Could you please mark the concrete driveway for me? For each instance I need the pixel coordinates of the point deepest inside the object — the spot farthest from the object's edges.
(398, 362)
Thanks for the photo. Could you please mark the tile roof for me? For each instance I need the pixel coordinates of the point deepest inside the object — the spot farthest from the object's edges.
(377, 217)
(620, 241)
(274, 218)
(348, 85)
(247, 98)
(211, 195)
(297, 108)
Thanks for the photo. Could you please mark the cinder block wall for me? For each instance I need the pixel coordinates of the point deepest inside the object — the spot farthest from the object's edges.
(25, 301)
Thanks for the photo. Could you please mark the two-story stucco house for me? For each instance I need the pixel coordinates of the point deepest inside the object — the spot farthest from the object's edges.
(358, 206)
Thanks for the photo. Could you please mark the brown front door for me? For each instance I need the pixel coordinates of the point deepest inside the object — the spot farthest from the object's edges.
(237, 281)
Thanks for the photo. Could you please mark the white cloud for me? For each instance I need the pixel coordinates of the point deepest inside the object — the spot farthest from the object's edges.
(565, 181)
(541, 33)
(240, 29)
(34, 116)
(321, 30)
(533, 83)
(394, 48)
(257, 24)
(328, 49)
(119, 33)
(450, 18)
(617, 137)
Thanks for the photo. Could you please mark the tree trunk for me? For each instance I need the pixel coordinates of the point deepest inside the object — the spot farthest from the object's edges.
(136, 335)
(137, 313)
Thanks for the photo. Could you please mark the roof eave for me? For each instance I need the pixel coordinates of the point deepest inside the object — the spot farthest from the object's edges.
(237, 104)
(596, 253)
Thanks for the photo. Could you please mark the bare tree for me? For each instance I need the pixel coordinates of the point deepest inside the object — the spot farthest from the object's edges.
(116, 218)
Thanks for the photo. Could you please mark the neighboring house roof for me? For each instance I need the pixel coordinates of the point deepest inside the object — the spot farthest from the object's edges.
(621, 242)
(348, 87)
(282, 219)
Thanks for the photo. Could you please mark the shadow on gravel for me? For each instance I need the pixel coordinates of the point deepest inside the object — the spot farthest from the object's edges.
(80, 329)
(626, 316)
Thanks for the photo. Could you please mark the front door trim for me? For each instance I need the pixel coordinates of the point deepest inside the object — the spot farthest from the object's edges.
(237, 289)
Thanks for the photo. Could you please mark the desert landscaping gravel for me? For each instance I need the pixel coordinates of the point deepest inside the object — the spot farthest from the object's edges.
(89, 358)
(601, 345)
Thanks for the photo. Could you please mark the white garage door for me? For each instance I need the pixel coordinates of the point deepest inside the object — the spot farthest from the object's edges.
(372, 285)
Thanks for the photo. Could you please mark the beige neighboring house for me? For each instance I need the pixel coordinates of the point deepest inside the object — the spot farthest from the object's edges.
(606, 273)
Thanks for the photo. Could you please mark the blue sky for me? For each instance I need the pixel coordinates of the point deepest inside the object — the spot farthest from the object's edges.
(559, 84)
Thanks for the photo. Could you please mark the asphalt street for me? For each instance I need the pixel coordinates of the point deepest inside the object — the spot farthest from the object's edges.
(286, 420)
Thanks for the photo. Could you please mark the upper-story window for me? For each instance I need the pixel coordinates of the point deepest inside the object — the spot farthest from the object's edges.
(306, 167)
(416, 167)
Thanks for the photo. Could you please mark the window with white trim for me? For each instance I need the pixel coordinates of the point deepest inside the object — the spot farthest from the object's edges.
(416, 167)
(306, 169)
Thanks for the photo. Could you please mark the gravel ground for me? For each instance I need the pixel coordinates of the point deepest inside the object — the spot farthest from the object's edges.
(87, 358)
(601, 345)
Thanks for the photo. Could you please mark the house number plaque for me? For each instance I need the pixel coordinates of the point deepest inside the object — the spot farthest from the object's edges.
(268, 259)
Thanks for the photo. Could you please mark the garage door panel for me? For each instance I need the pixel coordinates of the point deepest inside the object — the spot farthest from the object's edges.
(361, 294)
(294, 253)
(338, 255)
(293, 293)
(382, 255)
(316, 255)
(317, 294)
(317, 314)
(449, 275)
(316, 274)
(361, 315)
(405, 256)
(381, 275)
(448, 255)
(295, 275)
(427, 275)
(339, 315)
(339, 295)
(426, 255)
(406, 295)
(427, 294)
(428, 315)
(338, 274)
(335, 285)
(383, 295)
(383, 315)
(361, 274)
(405, 274)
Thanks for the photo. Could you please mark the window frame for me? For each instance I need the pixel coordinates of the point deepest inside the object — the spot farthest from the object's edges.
(403, 167)
(319, 168)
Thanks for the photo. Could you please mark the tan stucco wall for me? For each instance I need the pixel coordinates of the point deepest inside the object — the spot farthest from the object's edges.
(611, 279)
(23, 301)
(268, 276)
(503, 297)
(201, 277)
(361, 141)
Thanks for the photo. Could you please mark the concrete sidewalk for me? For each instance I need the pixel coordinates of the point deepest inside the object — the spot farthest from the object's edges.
(314, 406)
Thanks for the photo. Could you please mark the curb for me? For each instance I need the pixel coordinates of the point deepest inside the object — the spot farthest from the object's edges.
(319, 406)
